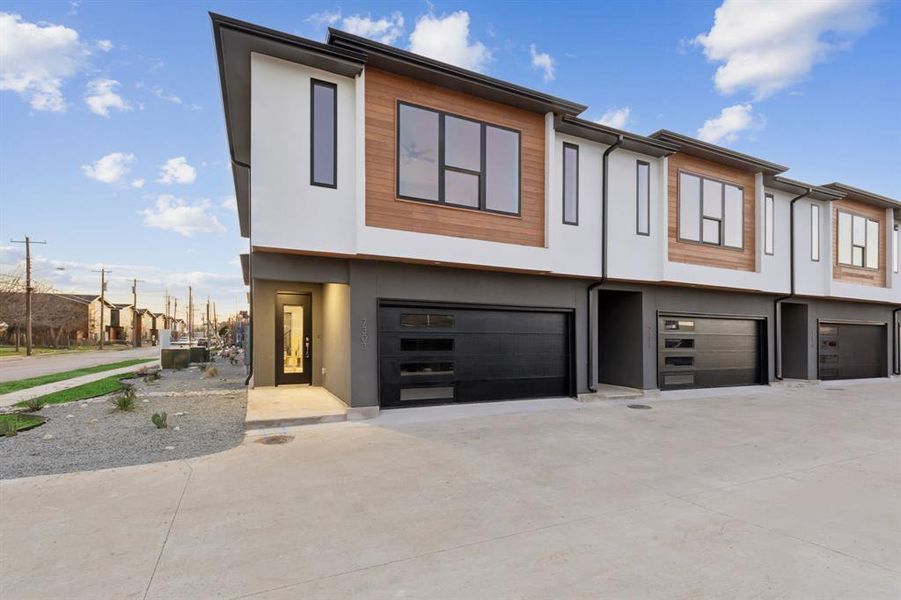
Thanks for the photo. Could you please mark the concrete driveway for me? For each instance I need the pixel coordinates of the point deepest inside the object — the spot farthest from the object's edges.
(36, 366)
(765, 493)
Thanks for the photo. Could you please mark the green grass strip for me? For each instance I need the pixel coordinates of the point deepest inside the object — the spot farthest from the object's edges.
(23, 384)
(107, 385)
(21, 421)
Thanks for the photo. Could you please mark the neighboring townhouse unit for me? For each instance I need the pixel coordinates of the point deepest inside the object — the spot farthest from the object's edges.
(424, 234)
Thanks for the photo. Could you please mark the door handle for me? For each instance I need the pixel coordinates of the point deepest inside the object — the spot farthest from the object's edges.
(306, 347)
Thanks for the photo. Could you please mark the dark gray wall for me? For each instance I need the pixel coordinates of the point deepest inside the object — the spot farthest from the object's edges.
(372, 280)
(620, 339)
(794, 340)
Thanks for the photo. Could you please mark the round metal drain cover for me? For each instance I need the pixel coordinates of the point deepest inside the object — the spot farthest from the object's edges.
(275, 439)
(639, 406)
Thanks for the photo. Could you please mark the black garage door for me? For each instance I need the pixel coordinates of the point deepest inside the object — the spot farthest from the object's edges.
(699, 352)
(439, 354)
(851, 351)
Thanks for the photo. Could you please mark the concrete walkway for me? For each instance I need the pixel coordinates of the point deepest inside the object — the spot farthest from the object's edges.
(16, 397)
(768, 493)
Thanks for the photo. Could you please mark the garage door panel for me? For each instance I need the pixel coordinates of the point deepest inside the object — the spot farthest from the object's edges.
(432, 354)
(851, 351)
(696, 352)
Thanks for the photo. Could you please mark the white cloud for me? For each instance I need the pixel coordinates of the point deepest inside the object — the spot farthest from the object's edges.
(229, 204)
(543, 62)
(110, 168)
(159, 93)
(177, 170)
(324, 18)
(766, 46)
(731, 121)
(617, 118)
(137, 183)
(35, 60)
(174, 214)
(104, 45)
(101, 96)
(385, 30)
(446, 38)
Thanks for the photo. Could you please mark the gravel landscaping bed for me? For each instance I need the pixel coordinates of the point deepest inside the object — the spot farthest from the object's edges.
(204, 416)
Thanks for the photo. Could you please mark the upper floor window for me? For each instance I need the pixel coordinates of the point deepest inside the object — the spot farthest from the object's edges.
(643, 198)
(710, 211)
(323, 133)
(815, 232)
(769, 224)
(897, 244)
(457, 161)
(858, 241)
(570, 184)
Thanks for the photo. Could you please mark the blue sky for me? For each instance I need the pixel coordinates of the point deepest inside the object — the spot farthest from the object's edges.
(814, 86)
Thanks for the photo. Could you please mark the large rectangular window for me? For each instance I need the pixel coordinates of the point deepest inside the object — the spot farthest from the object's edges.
(815, 232)
(570, 184)
(710, 211)
(643, 198)
(453, 160)
(769, 224)
(323, 133)
(858, 241)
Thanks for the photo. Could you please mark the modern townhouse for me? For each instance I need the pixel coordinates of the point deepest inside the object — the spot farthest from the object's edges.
(424, 234)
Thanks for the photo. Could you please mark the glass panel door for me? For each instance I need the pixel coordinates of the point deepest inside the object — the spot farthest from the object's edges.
(293, 340)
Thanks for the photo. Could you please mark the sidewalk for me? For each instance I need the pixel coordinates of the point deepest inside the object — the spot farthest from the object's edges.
(15, 397)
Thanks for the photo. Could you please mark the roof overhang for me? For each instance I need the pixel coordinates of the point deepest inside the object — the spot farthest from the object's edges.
(797, 188)
(864, 196)
(235, 41)
(608, 135)
(718, 154)
(245, 268)
(395, 60)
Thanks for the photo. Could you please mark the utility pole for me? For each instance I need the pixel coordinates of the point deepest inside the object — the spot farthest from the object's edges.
(103, 272)
(207, 319)
(134, 311)
(28, 290)
(190, 315)
(174, 326)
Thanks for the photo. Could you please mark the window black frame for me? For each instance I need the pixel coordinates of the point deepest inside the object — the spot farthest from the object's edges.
(334, 88)
(769, 205)
(647, 213)
(700, 241)
(569, 145)
(866, 243)
(442, 167)
(816, 250)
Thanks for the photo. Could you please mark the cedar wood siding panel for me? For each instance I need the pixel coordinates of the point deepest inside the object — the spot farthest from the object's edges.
(859, 275)
(706, 254)
(384, 209)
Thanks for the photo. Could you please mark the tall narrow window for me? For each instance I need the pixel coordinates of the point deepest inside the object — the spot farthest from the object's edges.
(815, 232)
(323, 134)
(769, 227)
(570, 184)
(896, 255)
(643, 198)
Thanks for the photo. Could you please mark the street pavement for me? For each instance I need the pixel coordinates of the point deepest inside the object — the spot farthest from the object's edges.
(35, 366)
(768, 492)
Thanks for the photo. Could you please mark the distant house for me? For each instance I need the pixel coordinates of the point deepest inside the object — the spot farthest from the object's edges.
(57, 319)
(121, 324)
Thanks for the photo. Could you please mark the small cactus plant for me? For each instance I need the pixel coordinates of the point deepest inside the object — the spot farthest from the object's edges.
(159, 419)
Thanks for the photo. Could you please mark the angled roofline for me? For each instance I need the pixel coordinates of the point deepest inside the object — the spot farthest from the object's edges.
(695, 147)
(400, 61)
(793, 186)
(863, 195)
(608, 135)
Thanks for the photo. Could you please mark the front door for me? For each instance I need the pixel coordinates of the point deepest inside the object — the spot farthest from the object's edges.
(293, 339)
